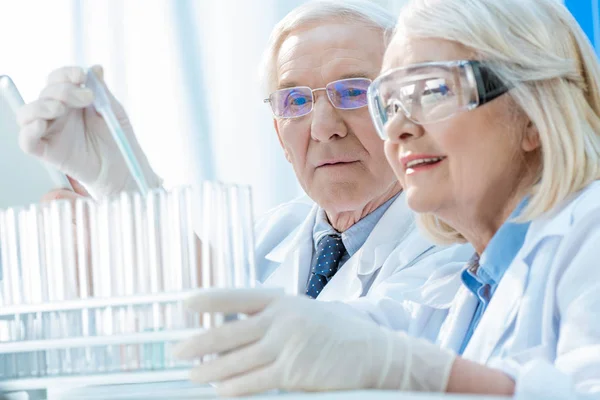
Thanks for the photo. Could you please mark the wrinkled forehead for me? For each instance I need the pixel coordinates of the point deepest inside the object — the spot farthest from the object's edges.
(319, 54)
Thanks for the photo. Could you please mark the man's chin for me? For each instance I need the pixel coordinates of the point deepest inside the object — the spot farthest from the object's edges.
(341, 196)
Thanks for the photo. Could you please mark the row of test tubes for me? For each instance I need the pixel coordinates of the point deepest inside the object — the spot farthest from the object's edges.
(95, 287)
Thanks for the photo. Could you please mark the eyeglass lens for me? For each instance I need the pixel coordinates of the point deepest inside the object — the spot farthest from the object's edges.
(345, 94)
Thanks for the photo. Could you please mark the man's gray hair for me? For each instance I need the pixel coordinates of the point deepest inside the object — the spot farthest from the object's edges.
(364, 12)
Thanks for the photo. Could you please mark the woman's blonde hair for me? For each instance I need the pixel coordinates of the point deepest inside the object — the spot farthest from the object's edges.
(363, 12)
(539, 46)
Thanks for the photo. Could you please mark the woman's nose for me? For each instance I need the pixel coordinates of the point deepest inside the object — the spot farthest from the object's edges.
(401, 129)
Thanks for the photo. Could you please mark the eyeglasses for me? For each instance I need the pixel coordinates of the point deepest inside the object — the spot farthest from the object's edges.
(432, 92)
(344, 94)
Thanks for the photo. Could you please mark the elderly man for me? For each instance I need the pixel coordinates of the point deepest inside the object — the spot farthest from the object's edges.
(353, 239)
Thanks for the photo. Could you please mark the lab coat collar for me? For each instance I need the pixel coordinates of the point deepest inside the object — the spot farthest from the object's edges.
(392, 228)
(558, 221)
(279, 252)
(395, 225)
(294, 254)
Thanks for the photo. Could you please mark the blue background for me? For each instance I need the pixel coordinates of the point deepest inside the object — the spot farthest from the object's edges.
(587, 13)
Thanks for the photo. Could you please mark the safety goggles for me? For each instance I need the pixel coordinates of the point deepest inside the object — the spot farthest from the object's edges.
(432, 92)
(294, 102)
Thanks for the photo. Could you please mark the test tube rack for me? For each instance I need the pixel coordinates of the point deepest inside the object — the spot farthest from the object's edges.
(93, 292)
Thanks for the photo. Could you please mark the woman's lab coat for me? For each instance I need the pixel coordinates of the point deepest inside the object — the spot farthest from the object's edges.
(542, 325)
(397, 278)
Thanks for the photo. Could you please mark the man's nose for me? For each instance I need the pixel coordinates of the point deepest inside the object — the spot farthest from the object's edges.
(327, 121)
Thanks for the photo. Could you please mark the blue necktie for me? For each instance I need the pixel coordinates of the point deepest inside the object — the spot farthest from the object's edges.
(329, 253)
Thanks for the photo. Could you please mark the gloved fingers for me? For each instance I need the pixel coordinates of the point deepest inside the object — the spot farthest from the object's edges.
(68, 93)
(47, 109)
(233, 301)
(78, 187)
(74, 75)
(227, 337)
(230, 365)
(30, 137)
(99, 71)
(60, 194)
(257, 381)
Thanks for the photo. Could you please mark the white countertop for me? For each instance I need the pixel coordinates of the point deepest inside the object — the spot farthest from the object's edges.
(143, 386)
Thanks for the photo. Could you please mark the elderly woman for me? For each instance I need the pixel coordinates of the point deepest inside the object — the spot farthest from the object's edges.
(491, 115)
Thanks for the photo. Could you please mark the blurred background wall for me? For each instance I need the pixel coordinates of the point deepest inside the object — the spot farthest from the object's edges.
(187, 73)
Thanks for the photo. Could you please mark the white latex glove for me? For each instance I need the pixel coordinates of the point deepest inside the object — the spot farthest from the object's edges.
(299, 344)
(64, 130)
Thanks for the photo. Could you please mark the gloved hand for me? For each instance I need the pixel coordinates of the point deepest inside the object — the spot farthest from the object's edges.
(65, 194)
(295, 343)
(63, 129)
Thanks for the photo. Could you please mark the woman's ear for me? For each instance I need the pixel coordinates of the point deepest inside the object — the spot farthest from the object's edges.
(531, 138)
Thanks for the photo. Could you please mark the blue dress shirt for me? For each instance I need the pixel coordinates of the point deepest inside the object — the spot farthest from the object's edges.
(482, 275)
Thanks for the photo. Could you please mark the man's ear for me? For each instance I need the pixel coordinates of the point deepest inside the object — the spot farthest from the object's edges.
(287, 155)
(531, 138)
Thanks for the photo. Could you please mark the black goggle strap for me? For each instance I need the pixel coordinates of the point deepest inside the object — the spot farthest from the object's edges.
(489, 85)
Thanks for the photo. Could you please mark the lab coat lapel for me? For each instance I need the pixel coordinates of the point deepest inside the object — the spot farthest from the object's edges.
(500, 313)
(345, 284)
(453, 330)
(393, 226)
(294, 254)
(390, 232)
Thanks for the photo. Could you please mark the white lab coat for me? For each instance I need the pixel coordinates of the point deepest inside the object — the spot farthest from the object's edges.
(397, 279)
(542, 325)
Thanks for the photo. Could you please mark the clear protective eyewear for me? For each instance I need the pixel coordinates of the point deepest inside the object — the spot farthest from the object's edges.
(432, 92)
(294, 102)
